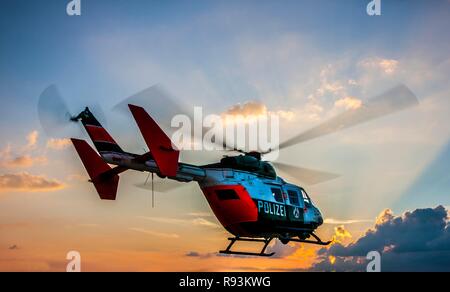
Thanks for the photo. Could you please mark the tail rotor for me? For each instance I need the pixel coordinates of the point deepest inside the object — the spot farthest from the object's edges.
(56, 118)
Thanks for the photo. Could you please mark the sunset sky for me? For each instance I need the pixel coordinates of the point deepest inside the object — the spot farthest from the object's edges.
(306, 60)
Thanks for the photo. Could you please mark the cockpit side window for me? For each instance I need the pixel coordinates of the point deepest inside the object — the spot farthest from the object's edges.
(306, 198)
(277, 194)
(293, 198)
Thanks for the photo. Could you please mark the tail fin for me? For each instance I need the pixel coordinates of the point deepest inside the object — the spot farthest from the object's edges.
(104, 178)
(166, 157)
(101, 138)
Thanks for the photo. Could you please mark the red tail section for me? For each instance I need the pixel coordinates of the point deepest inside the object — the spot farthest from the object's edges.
(104, 178)
(166, 157)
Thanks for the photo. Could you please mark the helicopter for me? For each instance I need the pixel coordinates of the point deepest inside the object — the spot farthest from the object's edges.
(245, 193)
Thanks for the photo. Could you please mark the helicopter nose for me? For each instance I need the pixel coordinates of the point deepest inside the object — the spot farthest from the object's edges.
(319, 217)
(320, 220)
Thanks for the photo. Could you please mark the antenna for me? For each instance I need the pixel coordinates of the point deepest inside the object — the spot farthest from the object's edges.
(153, 194)
(153, 189)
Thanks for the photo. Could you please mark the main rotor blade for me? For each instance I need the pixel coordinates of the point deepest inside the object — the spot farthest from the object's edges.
(163, 106)
(159, 103)
(393, 100)
(305, 175)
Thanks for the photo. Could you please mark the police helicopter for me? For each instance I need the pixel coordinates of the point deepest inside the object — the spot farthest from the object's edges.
(245, 193)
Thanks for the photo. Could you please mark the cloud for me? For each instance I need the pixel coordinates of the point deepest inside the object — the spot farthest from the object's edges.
(192, 254)
(385, 216)
(58, 144)
(24, 158)
(350, 221)
(329, 84)
(200, 214)
(13, 247)
(326, 87)
(32, 139)
(388, 66)
(416, 241)
(28, 182)
(196, 254)
(341, 232)
(249, 108)
(348, 102)
(255, 109)
(155, 233)
(77, 177)
(204, 222)
(196, 221)
(164, 220)
(312, 111)
(23, 161)
(352, 82)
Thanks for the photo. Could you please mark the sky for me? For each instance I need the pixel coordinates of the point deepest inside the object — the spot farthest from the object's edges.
(306, 60)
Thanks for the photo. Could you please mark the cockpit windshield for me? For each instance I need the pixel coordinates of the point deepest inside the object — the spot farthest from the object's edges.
(306, 198)
(268, 170)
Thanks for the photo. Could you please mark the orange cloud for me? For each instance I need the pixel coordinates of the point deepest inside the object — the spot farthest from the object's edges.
(200, 214)
(341, 232)
(28, 182)
(349, 221)
(23, 158)
(249, 111)
(385, 216)
(199, 221)
(155, 233)
(22, 161)
(388, 66)
(204, 222)
(348, 102)
(58, 144)
(32, 139)
(249, 108)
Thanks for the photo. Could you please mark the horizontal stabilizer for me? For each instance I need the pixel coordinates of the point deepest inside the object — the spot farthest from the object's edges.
(165, 155)
(104, 178)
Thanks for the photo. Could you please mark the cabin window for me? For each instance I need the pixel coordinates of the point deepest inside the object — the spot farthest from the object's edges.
(277, 194)
(293, 198)
(306, 198)
(227, 194)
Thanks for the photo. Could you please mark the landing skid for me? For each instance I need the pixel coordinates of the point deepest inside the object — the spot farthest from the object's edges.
(266, 241)
(318, 241)
(261, 253)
